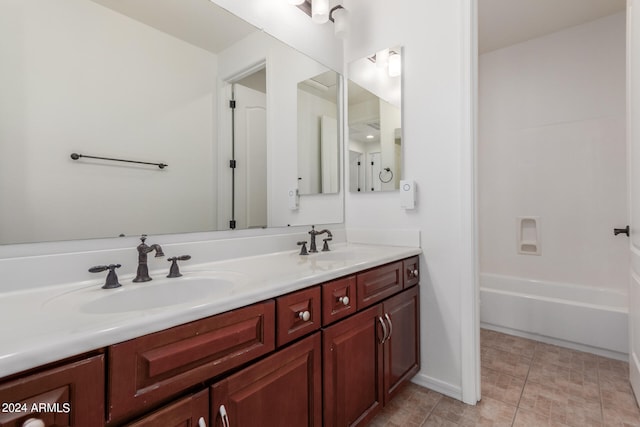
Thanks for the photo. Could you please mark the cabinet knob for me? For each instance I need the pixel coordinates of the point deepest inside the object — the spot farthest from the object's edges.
(33, 422)
(344, 300)
(413, 273)
(304, 315)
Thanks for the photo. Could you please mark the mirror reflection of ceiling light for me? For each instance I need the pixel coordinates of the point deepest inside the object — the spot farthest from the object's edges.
(389, 59)
(395, 65)
(321, 11)
(382, 58)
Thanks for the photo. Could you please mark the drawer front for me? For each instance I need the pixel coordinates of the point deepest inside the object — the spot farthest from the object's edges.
(68, 396)
(377, 284)
(298, 314)
(338, 299)
(411, 267)
(152, 368)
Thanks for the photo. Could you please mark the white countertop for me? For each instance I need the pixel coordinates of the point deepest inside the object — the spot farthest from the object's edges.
(43, 325)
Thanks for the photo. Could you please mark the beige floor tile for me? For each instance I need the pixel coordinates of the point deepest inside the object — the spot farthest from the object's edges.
(488, 412)
(507, 363)
(526, 384)
(502, 387)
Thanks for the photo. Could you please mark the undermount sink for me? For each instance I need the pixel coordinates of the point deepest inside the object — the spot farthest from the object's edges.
(197, 289)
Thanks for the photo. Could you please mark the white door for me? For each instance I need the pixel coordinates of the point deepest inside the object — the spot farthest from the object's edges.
(633, 135)
(251, 157)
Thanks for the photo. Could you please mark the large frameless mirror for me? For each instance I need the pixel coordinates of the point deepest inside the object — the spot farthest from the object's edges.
(375, 122)
(148, 81)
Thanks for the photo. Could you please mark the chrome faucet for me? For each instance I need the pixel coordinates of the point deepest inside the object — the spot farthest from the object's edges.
(143, 249)
(313, 233)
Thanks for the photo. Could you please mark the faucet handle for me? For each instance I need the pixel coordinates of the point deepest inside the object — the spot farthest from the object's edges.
(303, 249)
(174, 271)
(325, 246)
(112, 277)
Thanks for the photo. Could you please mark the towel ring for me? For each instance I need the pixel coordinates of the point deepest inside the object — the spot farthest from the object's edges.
(388, 172)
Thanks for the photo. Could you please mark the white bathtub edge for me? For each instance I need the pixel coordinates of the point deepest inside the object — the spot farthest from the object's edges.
(541, 311)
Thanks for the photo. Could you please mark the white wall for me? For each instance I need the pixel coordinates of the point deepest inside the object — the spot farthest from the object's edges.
(78, 77)
(552, 145)
(437, 149)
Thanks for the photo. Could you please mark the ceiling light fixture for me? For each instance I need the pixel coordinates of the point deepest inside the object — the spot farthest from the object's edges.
(321, 11)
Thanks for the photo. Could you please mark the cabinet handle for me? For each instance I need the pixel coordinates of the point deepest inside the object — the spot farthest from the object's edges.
(202, 422)
(384, 330)
(344, 300)
(386, 316)
(33, 422)
(413, 273)
(223, 415)
(304, 315)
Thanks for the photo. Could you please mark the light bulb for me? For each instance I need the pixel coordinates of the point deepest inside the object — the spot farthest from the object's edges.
(395, 65)
(341, 23)
(382, 58)
(320, 11)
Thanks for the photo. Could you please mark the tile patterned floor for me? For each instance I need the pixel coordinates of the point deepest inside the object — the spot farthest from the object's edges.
(526, 383)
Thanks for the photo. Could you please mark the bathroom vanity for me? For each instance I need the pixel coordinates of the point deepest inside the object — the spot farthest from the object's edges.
(326, 342)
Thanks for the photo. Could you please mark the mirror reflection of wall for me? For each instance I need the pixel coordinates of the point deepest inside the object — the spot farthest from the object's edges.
(318, 145)
(375, 122)
(140, 80)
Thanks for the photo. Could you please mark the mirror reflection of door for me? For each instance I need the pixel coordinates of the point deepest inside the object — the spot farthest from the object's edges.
(250, 152)
(375, 169)
(318, 143)
(356, 171)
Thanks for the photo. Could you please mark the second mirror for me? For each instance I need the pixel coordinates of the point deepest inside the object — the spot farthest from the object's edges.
(375, 122)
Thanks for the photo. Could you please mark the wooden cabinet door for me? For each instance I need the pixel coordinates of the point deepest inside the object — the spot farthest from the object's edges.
(71, 395)
(282, 390)
(402, 345)
(352, 361)
(186, 412)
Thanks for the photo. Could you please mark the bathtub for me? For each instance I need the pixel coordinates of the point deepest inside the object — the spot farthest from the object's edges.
(579, 317)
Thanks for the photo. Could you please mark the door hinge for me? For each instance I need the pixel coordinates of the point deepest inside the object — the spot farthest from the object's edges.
(232, 103)
(232, 224)
(232, 164)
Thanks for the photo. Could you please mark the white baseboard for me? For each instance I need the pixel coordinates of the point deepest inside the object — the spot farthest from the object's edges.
(434, 384)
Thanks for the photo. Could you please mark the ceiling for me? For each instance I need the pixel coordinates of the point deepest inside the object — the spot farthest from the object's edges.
(199, 22)
(502, 23)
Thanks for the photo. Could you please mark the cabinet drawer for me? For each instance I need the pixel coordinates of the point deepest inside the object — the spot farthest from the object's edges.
(71, 395)
(338, 299)
(298, 314)
(411, 268)
(146, 370)
(376, 284)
